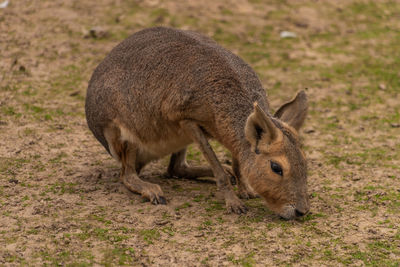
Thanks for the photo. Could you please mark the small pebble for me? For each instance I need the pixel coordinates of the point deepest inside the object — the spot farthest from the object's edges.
(309, 130)
(74, 93)
(12, 180)
(382, 86)
(96, 33)
(287, 34)
(161, 222)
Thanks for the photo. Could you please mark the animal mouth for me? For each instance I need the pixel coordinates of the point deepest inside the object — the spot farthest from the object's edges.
(286, 211)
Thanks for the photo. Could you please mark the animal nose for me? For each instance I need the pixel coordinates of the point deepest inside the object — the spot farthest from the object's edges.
(299, 213)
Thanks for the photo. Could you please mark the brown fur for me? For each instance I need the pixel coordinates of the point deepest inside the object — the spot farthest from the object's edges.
(162, 89)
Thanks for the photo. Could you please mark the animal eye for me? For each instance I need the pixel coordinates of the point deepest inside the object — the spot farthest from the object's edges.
(276, 168)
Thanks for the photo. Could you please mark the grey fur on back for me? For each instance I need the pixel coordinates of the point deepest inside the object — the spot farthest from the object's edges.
(160, 76)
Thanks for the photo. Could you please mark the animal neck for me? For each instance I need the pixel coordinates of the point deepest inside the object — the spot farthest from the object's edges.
(231, 131)
(241, 150)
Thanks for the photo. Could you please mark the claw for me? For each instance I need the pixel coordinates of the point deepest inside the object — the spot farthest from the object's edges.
(239, 210)
(244, 209)
(162, 200)
(244, 195)
(156, 200)
(230, 172)
(236, 206)
(233, 180)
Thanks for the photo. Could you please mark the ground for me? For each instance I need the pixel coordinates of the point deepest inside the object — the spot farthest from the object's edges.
(60, 196)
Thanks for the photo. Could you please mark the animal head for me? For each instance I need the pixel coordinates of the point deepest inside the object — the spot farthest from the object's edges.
(279, 171)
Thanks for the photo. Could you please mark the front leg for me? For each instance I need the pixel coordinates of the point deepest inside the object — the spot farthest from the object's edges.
(233, 203)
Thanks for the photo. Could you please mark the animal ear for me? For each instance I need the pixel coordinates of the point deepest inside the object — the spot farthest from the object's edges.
(294, 112)
(259, 125)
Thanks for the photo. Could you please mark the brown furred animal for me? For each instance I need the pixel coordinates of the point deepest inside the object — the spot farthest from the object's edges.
(162, 89)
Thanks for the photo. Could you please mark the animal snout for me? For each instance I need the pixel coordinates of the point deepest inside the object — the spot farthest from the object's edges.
(302, 206)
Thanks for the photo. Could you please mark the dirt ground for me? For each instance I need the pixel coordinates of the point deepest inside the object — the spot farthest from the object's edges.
(60, 197)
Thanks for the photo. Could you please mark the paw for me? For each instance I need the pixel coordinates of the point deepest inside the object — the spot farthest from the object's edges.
(159, 200)
(234, 204)
(154, 194)
(247, 194)
(243, 194)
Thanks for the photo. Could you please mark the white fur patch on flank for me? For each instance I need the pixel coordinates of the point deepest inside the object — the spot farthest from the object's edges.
(109, 134)
(126, 135)
(172, 140)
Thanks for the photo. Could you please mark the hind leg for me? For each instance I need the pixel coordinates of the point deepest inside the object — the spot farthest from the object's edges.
(178, 167)
(128, 155)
